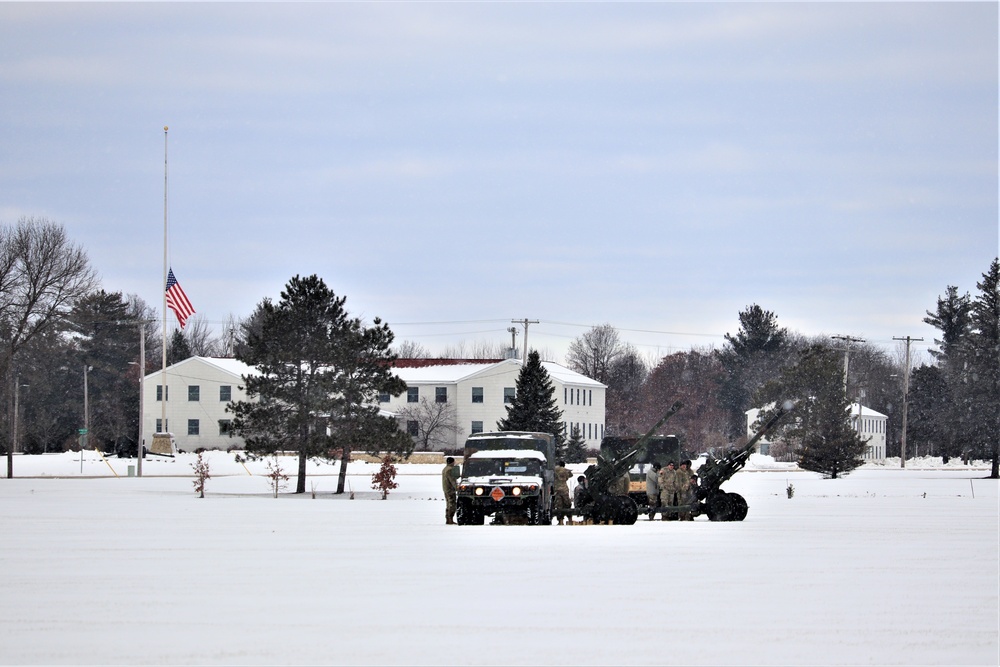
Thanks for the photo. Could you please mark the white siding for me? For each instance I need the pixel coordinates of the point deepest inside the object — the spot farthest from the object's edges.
(208, 375)
(871, 429)
(494, 378)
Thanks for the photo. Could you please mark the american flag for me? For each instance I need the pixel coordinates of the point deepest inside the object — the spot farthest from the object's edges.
(177, 300)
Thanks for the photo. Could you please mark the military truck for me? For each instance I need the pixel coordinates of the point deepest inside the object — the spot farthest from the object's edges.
(508, 475)
(657, 449)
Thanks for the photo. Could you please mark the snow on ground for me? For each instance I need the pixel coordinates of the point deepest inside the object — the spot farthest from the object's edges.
(885, 566)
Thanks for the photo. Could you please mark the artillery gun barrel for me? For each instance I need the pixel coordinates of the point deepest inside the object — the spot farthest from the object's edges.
(716, 471)
(605, 471)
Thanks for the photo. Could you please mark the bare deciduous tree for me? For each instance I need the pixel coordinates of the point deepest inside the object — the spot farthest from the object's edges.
(480, 349)
(409, 349)
(200, 338)
(227, 338)
(436, 422)
(593, 353)
(42, 274)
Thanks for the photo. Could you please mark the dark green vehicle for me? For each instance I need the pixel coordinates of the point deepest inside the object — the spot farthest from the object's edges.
(509, 476)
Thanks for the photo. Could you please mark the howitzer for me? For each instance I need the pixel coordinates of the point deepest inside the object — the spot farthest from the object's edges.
(603, 475)
(712, 500)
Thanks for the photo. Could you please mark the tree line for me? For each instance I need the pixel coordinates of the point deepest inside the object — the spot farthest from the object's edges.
(953, 403)
(57, 327)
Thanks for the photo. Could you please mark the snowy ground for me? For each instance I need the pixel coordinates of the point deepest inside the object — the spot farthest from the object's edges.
(883, 567)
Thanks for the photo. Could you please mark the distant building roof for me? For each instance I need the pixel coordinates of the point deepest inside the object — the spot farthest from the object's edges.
(421, 363)
(225, 364)
(455, 370)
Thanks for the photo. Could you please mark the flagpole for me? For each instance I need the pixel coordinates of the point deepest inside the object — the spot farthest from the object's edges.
(163, 287)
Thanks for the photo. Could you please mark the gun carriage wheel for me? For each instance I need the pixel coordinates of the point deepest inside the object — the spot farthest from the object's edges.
(740, 507)
(720, 507)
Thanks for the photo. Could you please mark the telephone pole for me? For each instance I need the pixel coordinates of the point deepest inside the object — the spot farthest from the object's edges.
(525, 323)
(847, 354)
(906, 392)
(513, 341)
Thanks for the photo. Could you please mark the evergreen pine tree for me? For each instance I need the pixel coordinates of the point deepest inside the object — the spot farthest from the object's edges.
(179, 348)
(319, 374)
(982, 375)
(534, 407)
(576, 448)
(821, 427)
(750, 359)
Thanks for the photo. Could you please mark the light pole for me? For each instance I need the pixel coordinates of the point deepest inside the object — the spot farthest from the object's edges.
(139, 447)
(86, 416)
(17, 413)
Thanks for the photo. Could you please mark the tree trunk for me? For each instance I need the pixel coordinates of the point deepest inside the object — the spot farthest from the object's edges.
(300, 486)
(995, 471)
(345, 458)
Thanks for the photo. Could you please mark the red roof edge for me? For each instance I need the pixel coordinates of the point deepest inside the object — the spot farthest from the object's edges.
(422, 363)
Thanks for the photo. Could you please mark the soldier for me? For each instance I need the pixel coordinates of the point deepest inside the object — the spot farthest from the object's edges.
(582, 499)
(449, 484)
(653, 488)
(622, 486)
(683, 487)
(689, 493)
(562, 500)
(668, 490)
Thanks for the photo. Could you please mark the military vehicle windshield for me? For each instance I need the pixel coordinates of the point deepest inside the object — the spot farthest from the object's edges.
(501, 442)
(502, 467)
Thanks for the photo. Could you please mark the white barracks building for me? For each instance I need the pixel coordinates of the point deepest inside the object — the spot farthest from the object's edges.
(481, 390)
(198, 389)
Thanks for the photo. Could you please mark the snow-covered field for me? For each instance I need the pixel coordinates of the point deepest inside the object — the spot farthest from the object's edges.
(883, 567)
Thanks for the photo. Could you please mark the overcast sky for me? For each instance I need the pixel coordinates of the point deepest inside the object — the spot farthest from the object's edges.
(450, 166)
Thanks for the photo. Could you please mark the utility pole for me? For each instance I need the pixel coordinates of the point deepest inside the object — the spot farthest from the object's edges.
(139, 448)
(85, 434)
(513, 341)
(906, 392)
(847, 353)
(525, 323)
(16, 445)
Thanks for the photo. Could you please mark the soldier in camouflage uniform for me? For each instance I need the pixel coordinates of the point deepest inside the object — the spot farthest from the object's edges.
(621, 487)
(449, 484)
(669, 488)
(685, 496)
(562, 499)
(653, 488)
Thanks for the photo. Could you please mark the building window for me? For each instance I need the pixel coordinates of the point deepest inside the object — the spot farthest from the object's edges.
(508, 395)
(564, 396)
(193, 427)
(477, 394)
(477, 427)
(383, 397)
(590, 397)
(440, 394)
(159, 426)
(413, 394)
(225, 393)
(225, 426)
(412, 427)
(159, 392)
(194, 392)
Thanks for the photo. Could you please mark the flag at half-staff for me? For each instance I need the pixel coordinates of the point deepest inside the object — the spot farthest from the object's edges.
(177, 300)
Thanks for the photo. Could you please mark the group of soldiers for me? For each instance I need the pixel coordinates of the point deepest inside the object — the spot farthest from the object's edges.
(672, 485)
